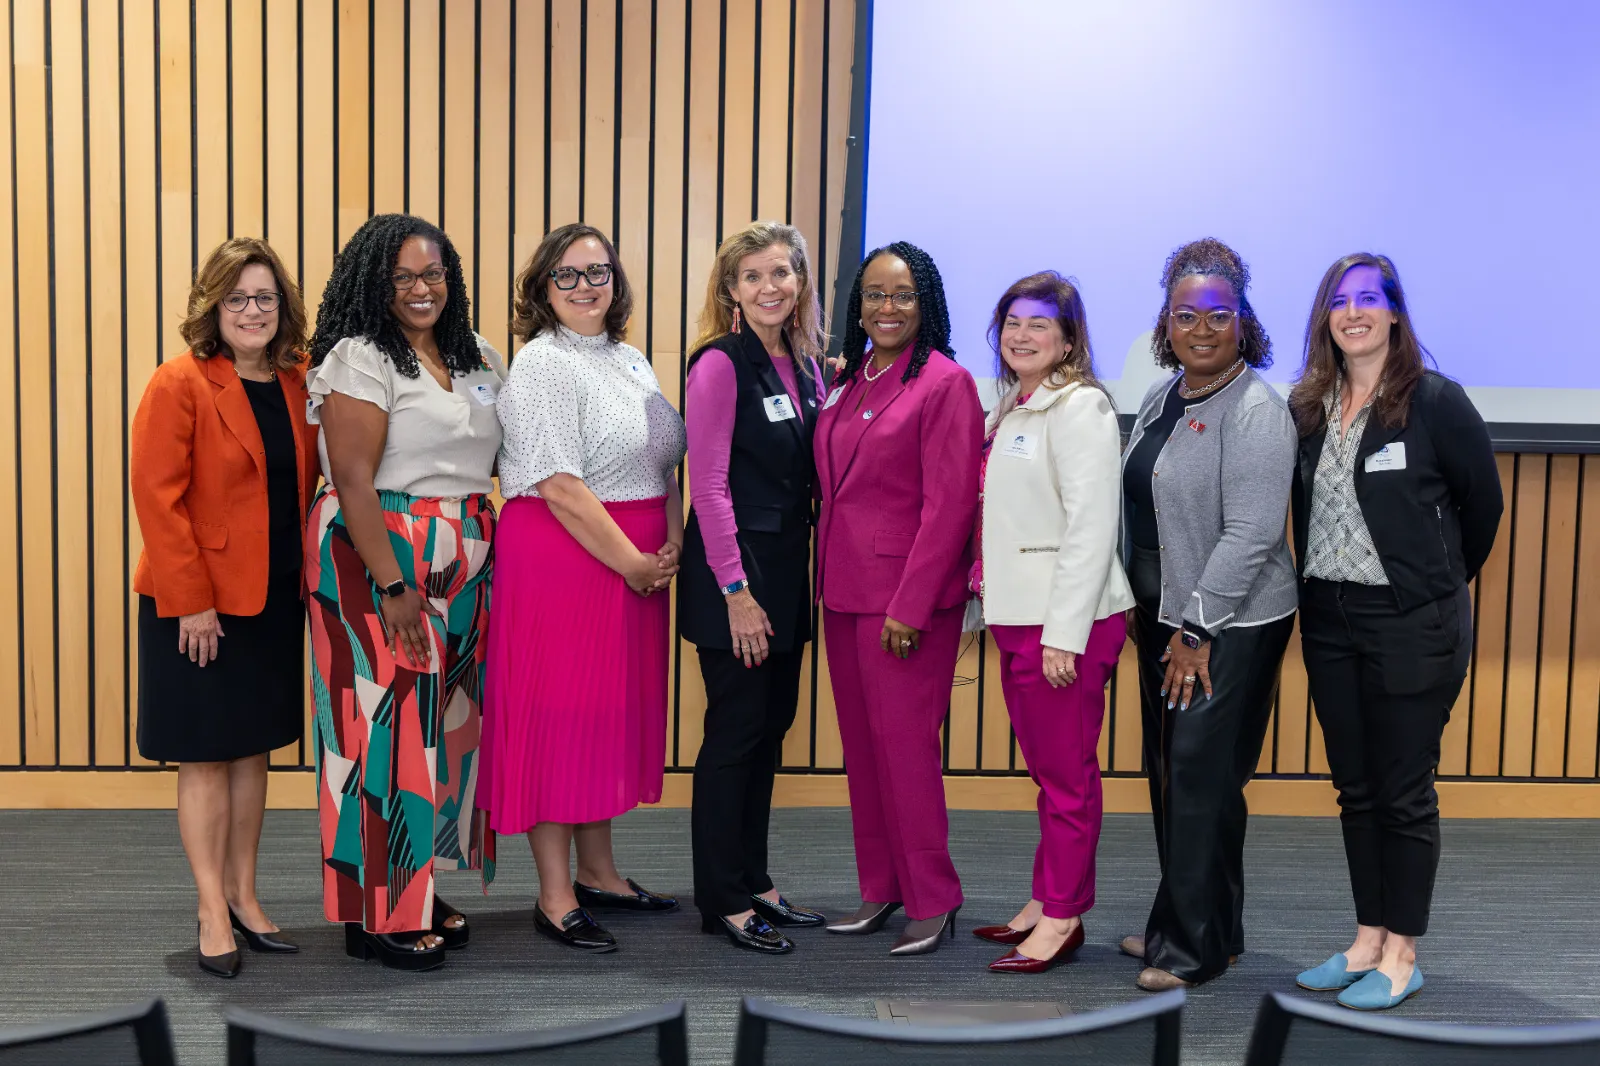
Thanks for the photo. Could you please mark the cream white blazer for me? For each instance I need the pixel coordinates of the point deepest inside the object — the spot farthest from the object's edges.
(1052, 506)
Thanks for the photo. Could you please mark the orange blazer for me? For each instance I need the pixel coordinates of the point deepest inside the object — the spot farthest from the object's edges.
(198, 474)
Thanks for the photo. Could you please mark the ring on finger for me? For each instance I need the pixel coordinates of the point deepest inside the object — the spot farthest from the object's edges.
(1188, 679)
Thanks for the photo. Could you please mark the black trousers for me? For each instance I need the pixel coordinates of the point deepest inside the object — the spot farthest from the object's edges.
(1383, 681)
(1199, 761)
(748, 711)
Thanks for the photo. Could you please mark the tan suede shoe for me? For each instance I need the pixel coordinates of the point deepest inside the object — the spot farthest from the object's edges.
(1154, 980)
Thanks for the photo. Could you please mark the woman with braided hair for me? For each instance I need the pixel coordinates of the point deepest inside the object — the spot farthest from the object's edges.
(1206, 493)
(397, 574)
(897, 448)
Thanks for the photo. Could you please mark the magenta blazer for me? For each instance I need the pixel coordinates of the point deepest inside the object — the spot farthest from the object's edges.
(899, 492)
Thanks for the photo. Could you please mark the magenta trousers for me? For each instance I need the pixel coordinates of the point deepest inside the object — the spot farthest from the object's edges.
(890, 713)
(1058, 730)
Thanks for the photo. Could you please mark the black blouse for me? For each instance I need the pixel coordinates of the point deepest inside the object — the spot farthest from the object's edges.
(1138, 493)
(283, 481)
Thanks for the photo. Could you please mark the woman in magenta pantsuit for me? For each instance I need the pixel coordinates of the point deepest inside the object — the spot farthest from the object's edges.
(1053, 592)
(897, 450)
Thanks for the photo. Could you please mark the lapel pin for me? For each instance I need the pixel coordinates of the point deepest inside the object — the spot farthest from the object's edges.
(1197, 426)
(868, 414)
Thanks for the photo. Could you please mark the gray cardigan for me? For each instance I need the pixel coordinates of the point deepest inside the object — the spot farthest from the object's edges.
(1221, 489)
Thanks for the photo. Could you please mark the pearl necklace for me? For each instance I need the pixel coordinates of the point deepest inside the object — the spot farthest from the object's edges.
(1217, 383)
(870, 376)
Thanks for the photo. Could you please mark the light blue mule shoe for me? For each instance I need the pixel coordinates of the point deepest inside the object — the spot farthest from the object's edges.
(1372, 992)
(1331, 976)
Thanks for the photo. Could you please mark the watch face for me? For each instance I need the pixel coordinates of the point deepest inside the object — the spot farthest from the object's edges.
(1190, 640)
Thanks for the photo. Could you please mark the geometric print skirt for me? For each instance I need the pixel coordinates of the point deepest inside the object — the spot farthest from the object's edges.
(397, 747)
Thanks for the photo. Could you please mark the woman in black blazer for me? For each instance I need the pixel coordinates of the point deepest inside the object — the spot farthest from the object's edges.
(1396, 505)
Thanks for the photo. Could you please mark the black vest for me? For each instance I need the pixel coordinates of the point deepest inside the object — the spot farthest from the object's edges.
(770, 477)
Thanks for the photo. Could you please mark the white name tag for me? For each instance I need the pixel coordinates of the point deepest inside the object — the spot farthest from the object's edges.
(833, 398)
(779, 409)
(483, 394)
(1388, 457)
(642, 372)
(312, 417)
(1020, 446)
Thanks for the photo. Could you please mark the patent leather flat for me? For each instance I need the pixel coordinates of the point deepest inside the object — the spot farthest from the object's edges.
(783, 913)
(922, 937)
(227, 964)
(756, 934)
(268, 943)
(395, 952)
(868, 919)
(1017, 962)
(454, 938)
(1002, 934)
(641, 899)
(577, 930)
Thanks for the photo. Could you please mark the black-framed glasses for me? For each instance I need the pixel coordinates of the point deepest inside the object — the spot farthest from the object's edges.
(905, 301)
(566, 278)
(266, 302)
(404, 279)
(1218, 320)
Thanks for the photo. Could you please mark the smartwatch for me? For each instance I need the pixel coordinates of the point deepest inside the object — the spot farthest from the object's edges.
(1193, 637)
(392, 589)
(737, 586)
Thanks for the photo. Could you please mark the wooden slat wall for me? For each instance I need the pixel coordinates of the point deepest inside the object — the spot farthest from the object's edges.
(143, 132)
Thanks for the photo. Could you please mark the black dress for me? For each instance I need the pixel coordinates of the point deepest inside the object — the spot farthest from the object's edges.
(251, 698)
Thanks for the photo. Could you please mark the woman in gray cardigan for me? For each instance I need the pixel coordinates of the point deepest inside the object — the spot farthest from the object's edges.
(1206, 480)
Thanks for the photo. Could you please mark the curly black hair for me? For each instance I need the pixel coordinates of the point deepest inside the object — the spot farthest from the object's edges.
(934, 333)
(356, 301)
(1209, 257)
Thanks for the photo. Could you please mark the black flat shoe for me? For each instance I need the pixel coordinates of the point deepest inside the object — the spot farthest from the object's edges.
(754, 935)
(642, 899)
(784, 913)
(454, 938)
(577, 930)
(224, 965)
(395, 952)
(268, 943)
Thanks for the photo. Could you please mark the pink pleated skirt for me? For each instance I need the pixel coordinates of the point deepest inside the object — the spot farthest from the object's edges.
(575, 702)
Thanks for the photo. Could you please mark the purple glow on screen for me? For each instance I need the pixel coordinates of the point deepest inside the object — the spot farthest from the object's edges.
(1460, 137)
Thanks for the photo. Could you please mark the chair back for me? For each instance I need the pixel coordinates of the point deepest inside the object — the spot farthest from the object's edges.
(656, 1037)
(136, 1035)
(1296, 1031)
(1144, 1033)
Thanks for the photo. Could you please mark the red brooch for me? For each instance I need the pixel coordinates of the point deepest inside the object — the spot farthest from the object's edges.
(1197, 426)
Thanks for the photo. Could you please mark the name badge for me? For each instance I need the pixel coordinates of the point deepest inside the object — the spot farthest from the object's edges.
(833, 398)
(484, 395)
(642, 372)
(312, 417)
(1388, 457)
(1020, 446)
(779, 408)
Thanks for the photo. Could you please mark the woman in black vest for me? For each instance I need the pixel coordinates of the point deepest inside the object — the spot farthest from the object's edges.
(744, 590)
(1396, 504)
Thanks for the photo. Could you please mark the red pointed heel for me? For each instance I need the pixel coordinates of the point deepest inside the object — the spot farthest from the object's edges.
(1016, 962)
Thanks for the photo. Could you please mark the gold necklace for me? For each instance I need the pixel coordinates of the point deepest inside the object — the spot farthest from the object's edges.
(272, 373)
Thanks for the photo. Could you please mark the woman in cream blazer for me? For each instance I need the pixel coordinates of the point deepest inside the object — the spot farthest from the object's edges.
(1053, 592)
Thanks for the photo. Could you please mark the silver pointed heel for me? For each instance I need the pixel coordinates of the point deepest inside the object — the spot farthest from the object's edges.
(922, 937)
(869, 918)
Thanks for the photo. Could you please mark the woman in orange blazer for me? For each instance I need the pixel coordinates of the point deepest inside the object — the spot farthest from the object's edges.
(222, 470)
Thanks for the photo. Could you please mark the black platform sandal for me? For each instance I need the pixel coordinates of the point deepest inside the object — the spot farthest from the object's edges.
(393, 951)
(454, 937)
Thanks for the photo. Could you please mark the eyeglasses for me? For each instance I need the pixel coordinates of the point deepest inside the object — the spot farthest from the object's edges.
(266, 302)
(1217, 320)
(905, 301)
(405, 279)
(567, 277)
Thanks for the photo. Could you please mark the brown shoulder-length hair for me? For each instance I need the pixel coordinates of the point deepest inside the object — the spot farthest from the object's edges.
(532, 313)
(808, 334)
(217, 277)
(1062, 293)
(1324, 362)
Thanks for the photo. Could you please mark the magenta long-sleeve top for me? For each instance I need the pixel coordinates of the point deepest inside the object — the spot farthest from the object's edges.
(710, 405)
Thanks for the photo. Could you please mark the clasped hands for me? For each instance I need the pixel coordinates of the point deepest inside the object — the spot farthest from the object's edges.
(653, 573)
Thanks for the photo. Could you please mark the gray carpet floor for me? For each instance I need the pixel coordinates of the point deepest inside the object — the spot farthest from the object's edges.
(98, 910)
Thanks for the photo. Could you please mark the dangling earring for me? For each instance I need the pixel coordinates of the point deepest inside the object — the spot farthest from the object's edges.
(1244, 341)
(737, 320)
(795, 322)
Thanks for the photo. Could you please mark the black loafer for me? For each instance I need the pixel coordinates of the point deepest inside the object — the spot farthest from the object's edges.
(642, 899)
(754, 935)
(577, 930)
(784, 913)
(269, 943)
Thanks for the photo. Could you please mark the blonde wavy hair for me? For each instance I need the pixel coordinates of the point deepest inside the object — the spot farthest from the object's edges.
(810, 337)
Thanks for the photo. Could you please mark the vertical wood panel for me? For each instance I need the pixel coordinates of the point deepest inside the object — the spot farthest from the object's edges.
(738, 118)
(1523, 617)
(1127, 755)
(352, 139)
(495, 178)
(528, 129)
(564, 107)
(12, 677)
(282, 117)
(425, 110)
(34, 382)
(318, 234)
(772, 147)
(805, 149)
(1555, 624)
(460, 36)
(249, 128)
(599, 115)
(1294, 710)
(390, 89)
(208, 112)
(633, 191)
(1489, 655)
(1583, 743)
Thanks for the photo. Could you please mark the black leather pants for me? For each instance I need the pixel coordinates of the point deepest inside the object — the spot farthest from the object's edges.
(1199, 761)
